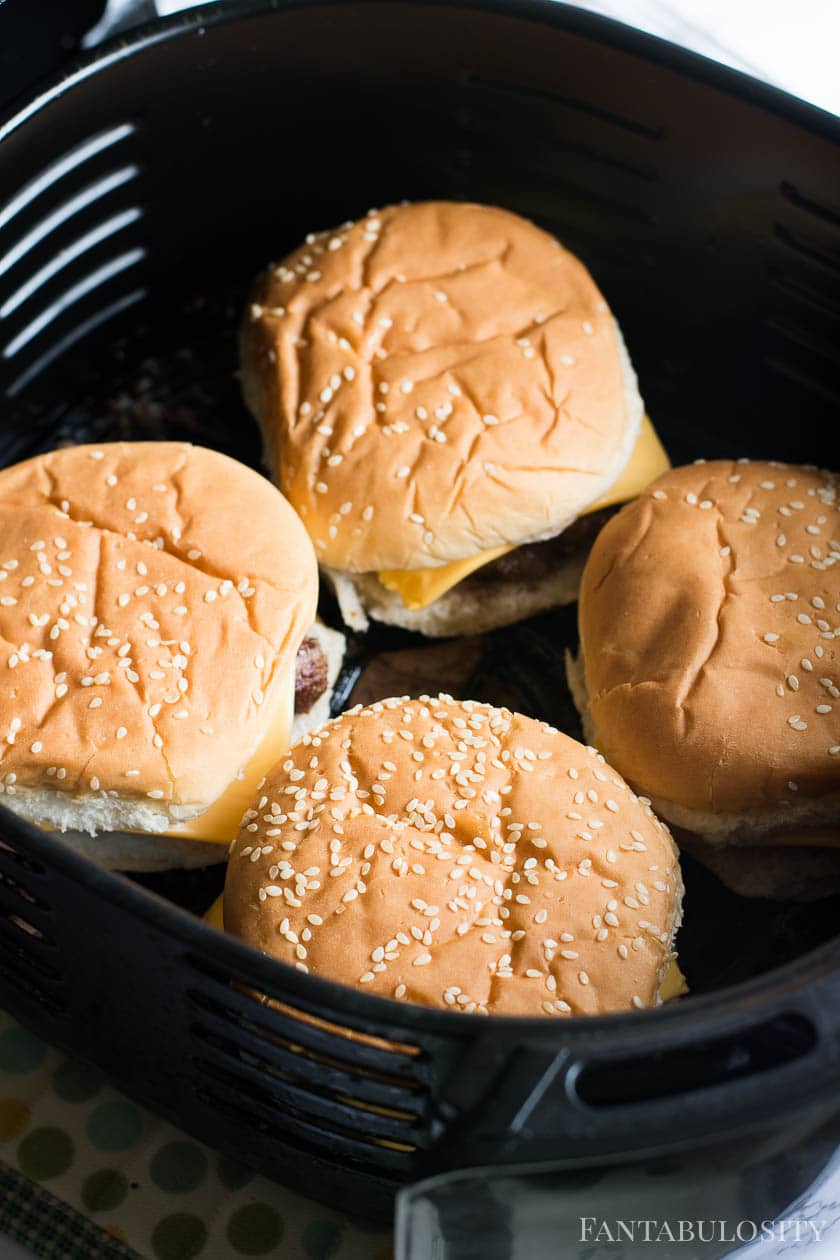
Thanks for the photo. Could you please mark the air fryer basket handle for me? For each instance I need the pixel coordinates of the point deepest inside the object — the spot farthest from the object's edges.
(525, 1100)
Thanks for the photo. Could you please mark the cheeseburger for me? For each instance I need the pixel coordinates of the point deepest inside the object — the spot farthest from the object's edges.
(709, 671)
(446, 400)
(459, 856)
(156, 641)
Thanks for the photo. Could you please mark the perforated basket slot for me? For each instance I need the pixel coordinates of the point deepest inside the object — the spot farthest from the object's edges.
(365, 1049)
(296, 1064)
(29, 967)
(804, 201)
(345, 1140)
(809, 247)
(69, 247)
(544, 175)
(19, 881)
(63, 166)
(224, 1060)
(800, 292)
(22, 906)
(645, 129)
(25, 940)
(555, 145)
(13, 861)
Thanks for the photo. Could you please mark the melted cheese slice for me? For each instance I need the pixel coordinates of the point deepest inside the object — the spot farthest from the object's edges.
(220, 823)
(418, 588)
(673, 982)
(214, 914)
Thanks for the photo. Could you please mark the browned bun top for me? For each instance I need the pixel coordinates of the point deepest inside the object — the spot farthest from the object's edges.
(709, 623)
(152, 598)
(434, 380)
(460, 856)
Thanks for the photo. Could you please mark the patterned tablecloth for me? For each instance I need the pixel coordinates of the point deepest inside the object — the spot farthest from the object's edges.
(141, 1185)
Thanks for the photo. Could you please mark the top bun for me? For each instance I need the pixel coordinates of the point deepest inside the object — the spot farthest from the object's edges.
(461, 856)
(435, 380)
(153, 596)
(709, 623)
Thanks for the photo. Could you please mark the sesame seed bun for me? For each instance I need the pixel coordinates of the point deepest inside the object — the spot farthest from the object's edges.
(709, 667)
(433, 381)
(459, 856)
(152, 600)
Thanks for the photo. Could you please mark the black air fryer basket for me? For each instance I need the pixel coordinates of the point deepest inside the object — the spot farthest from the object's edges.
(138, 195)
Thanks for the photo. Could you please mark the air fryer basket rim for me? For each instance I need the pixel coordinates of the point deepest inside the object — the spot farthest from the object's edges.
(596, 26)
(781, 983)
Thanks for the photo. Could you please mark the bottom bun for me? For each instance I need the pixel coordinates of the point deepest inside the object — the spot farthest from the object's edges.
(465, 609)
(776, 874)
(96, 813)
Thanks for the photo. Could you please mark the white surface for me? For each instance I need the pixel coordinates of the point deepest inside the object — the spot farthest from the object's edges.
(795, 45)
(792, 43)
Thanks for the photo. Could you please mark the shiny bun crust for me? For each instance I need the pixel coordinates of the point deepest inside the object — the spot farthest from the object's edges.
(152, 599)
(435, 380)
(709, 632)
(460, 856)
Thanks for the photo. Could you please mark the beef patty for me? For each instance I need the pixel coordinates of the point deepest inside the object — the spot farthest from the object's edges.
(534, 561)
(310, 675)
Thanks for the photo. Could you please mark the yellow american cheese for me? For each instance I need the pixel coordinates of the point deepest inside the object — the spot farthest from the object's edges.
(220, 823)
(673, 985)
(419, 587)
(214, 914)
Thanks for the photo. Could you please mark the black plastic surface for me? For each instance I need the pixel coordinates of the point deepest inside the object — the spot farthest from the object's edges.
(35, 39)
(136, 200)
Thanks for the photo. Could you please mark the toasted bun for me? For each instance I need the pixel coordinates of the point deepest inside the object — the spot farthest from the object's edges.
(435, 380)
(461, 856)
(708, 623)
(152, 600)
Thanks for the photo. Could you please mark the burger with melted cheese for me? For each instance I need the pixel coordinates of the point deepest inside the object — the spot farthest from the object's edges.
(709, 670)
(157, 647)
(447, 402)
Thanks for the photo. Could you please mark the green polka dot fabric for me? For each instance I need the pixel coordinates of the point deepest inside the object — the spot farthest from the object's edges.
(72, 1144)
